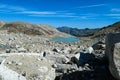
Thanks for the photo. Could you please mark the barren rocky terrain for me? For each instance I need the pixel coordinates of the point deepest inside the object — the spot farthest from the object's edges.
(27, 52)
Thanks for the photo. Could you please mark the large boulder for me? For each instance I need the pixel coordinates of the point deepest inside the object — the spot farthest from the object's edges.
(65, 68)
(113, 53)
(82, 58)
(90, 50)
(26, 67)
(58, 58)
(99, 46)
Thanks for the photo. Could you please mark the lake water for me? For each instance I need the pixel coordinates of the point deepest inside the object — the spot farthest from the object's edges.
(69, 39)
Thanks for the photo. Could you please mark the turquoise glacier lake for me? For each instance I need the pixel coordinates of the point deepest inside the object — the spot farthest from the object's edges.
(69, 39)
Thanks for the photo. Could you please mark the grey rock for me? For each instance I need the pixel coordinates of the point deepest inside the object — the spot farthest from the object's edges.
(113, 53)
(89, 50)
(56, 50)
(58, 58)
(1, 59)
(64, 68)
(82, 58)
(21, 50)
(19, 63)
(17, 46)
(99, 45)
(54, 66)
(66, 50)
(8, 50)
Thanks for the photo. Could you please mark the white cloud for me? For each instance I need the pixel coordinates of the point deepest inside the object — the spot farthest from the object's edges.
(90, 6)
(115, 10)
(69, 16)
(48, 13)
(17, 8)
(57, 15)
(88, 16)
(37, 12)
(113, 15)
(116, 17)
(11, 8)
(83, 17)
(2, 6)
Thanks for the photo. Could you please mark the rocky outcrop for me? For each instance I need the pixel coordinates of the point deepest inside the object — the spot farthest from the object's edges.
(113, 53)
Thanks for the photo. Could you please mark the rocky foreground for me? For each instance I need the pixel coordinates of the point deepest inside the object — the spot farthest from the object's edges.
(38, 57)
(27, 57)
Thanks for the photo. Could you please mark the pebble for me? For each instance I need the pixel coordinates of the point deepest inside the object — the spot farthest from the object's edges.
(19, 63)
(9, 62)
(54, 66)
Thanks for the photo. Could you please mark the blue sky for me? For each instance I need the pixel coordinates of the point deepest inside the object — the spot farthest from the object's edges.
(73, 13)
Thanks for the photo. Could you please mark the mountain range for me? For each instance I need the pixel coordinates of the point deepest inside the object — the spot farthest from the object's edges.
(94, 33)
(47, 30)
(77, 32)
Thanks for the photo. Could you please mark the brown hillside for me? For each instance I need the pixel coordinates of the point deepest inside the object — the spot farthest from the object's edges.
(114, 28)
(30, 29)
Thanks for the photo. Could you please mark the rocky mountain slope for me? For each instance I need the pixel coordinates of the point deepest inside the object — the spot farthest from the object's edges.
(30, 29)
(101, 34)
(105, 30)
(77, 32)
(95, 33)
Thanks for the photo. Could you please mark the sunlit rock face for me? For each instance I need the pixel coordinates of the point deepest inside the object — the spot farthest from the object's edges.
(113, 53)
